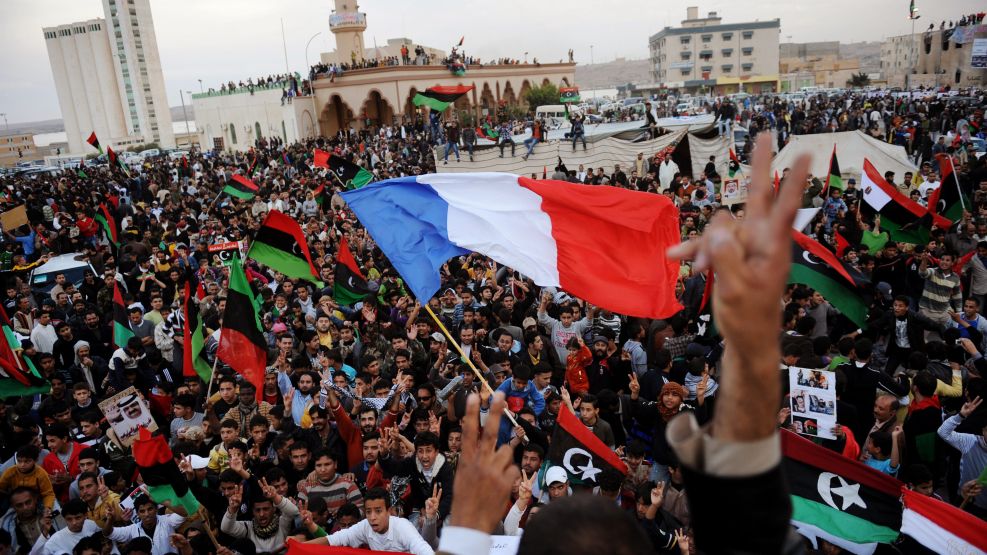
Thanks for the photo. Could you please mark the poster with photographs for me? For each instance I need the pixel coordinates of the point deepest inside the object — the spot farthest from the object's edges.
(128, 502)
(126, 412)
(734, 190)
(813, 401)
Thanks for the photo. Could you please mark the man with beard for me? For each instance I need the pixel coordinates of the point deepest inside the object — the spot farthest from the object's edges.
(273, 518)
(605, 370)
(351, 435)
(300, 398)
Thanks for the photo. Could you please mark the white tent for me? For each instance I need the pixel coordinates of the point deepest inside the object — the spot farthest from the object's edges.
(851, 149)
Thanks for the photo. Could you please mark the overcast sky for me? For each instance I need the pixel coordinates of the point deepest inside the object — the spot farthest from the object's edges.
(222, 40)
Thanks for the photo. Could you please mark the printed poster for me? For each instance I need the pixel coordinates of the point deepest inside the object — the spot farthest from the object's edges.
(813, 401)
(126, 412)
(978, 58)
(734, 191)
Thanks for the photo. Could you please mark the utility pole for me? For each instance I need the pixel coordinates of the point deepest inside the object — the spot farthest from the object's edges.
(284, 45)
(594, 85)
(913, 15)
(5, 126)
(188, 133)
(200, 86)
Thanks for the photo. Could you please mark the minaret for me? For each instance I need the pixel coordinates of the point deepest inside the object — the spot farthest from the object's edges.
(348, 24)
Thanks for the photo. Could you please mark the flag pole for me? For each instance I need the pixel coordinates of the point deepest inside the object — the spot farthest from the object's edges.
(205, 525)
(469, 362)
(212, 376)
(956, 179)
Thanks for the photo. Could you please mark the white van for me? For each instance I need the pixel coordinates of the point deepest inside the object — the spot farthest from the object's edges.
(553, 114)
(149, 153)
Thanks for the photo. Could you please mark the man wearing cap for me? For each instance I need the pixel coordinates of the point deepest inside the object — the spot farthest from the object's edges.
(604, 371)
(556, 484)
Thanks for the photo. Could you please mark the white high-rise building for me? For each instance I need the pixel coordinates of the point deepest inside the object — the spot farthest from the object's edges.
(108, 78)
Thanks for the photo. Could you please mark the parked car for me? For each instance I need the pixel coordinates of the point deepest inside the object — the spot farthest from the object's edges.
(74, 266)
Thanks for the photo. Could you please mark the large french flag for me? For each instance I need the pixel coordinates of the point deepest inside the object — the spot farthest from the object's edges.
(603, 244)
(941, 527)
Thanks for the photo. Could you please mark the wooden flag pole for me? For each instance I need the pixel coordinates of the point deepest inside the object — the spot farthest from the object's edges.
(207, 527)
(212, 376)
(469, 362)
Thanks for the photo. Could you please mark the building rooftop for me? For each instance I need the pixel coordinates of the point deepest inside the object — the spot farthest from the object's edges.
(673, 31)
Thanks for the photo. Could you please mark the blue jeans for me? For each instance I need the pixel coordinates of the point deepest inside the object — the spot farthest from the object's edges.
(530, 143)
(576, 137)
(723, 126)
(455, 148)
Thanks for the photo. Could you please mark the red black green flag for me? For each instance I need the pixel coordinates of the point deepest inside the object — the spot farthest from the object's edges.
(321, 194)
(121, 322)
(164, 481)
(816, 266)
(241, 344)
(106, 221)
(840, 500)
(439, 98)
(280, 244)
(241, 188)
(351, 175)
(579, 452)
(949, 200)
(18, 376)
(94, 142)
(834, 178)
(194, 340)
(349, 285)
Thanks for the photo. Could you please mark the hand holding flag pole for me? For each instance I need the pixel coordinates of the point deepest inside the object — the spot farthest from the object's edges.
(469, 362)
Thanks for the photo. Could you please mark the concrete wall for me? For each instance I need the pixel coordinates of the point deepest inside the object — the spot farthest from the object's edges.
(235, 118)
(937, 66)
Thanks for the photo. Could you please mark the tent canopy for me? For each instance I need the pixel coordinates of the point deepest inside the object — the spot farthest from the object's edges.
(851, 149)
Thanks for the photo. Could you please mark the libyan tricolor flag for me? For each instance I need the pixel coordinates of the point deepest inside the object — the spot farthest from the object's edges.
(241, 188)
(940, 527)
(816, 266)
(241, 342)
(349, 174)
(165, 483)
(949, 200)
(578, 451)
(280, 245)
(18, 376)
(838, 499)
(439, 98)
(122, 331)
(108, 223)
(349, 285)
(906, 220)
(835, 177)
(194, 339)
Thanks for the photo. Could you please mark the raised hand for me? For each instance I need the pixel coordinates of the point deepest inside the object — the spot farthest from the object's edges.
(525, 488)
(658, 494)
(289, 396)
(432, 503)
(236, 499)
(101, 490)
(749, 254)
(236, 463)
(268, 490)
(185, 464)
(481, 508)
(682, 540)
(970, 406)
(304, 514)
(434, 424)
(635, 386)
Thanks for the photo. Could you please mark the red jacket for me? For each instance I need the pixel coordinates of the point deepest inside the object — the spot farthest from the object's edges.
(53, 465)
(352, 435)
(575, 370)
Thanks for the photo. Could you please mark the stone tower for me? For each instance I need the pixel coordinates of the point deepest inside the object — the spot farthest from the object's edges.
(348, 25)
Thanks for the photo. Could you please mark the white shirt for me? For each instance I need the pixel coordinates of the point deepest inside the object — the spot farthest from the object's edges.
(927, 187)
(160, 542)
(64, 540)
(401, 535)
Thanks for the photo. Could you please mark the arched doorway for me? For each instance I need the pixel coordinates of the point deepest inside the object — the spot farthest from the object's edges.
(525, 87)
(336, 115)
(488, 101)
(410, 110)
(377, 109)
(257, 133)
(508, 95)
(461, 108)
(232, 134)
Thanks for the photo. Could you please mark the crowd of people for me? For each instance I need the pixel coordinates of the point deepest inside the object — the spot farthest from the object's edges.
(366, 430)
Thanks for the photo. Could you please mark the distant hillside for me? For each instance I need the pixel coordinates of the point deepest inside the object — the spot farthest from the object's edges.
(56, 125)
(869, 54)
(610, 74)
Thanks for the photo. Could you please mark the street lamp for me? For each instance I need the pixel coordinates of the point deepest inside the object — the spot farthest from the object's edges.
(591, 64)
(200, 86)
(307, 44)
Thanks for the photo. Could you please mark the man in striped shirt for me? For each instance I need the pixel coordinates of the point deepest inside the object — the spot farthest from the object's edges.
(941, 293)
(324, 482)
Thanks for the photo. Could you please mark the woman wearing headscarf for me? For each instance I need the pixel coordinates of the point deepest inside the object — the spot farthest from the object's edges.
(654, 416)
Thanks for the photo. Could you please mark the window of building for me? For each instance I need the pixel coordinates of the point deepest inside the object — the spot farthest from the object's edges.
(707, 38)
(686, 71)
(747, 35)
(726, 51)
(747, 50)
(747, 67)
(706, 55)
(727, 36)
(686, 55)
(707, 68)
(685, 40)
(727, 67)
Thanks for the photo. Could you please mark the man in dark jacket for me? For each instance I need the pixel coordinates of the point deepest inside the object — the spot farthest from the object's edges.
(904, 330)
(863, 381)
(427, 467)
